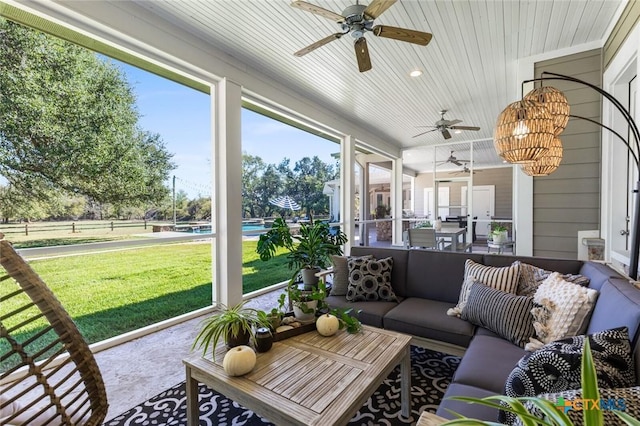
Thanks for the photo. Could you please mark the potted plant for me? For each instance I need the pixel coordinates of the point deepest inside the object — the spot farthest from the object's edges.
(309, 251)
(499, 233)
(275, 315)
(233, 324)
(306, 303)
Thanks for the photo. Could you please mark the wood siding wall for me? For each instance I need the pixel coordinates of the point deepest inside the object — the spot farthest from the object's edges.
(629, 18)
(501, 177)
(568, 200)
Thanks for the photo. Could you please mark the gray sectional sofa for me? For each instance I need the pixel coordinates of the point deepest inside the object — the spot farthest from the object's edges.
(428, 283)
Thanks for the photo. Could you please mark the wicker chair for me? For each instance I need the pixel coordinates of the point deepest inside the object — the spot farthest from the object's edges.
(48, 375)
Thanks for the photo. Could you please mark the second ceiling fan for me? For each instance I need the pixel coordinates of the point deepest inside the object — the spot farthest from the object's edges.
(357, 20)
(443, 126)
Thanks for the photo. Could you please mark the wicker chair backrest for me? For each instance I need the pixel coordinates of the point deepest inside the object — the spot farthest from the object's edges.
(48, 375)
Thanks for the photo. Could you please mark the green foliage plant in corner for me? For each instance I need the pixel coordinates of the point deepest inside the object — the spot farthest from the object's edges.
(552, 416)
(312, 248)
(229, 323)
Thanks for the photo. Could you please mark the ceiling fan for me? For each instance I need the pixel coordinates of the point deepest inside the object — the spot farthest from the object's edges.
(453, 160)
(443, 126)
(357, 19)
(466, 170)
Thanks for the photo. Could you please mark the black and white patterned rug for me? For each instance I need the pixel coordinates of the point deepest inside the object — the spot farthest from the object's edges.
(431, 373)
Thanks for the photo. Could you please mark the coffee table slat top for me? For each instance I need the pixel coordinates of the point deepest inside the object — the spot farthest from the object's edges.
(304, 379)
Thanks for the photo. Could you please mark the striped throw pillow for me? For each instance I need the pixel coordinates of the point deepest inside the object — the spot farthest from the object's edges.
(504, 279)
(507, 315)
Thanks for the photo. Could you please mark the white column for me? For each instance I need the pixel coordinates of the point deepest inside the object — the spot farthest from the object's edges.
(396, 200)
(348, 189)
(228, 187)
(522, 212)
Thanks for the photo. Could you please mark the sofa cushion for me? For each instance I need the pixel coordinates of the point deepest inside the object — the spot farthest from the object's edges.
(504, 279)
(399, 272)
(621, 297)
(563, 309)
(564, 266)
(505, 314)
(487, 363)
(340, 283)
(598, 273)
(557, 366)
(370, 280)
(437, 275)
(371, 313)
(474, 411)
(427, 318)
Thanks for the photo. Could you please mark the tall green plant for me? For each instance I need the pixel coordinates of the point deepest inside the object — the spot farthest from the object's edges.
(311, 248)
(552, 416)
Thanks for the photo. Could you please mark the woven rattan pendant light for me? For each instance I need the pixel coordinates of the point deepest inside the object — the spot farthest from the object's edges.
(524, 132)
(556, 103)
(546, 164)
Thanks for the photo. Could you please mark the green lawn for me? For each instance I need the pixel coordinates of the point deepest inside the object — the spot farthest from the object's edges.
(110, 293)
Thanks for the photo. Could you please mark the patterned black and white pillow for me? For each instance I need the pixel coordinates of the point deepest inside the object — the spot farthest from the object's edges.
(340, 284)
(531, 277)
(556, 367)
(507, 315)
(370, 280)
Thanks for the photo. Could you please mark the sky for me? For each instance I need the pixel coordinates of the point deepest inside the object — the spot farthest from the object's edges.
(181, 116)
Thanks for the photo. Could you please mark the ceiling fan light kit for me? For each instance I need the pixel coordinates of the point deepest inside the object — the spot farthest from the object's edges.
(357, 20)
(524, 132)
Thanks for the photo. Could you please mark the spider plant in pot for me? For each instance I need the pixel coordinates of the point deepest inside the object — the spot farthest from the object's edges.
(309, 251)
(233, 324)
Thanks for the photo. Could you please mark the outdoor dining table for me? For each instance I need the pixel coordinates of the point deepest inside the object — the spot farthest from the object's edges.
(454, 235)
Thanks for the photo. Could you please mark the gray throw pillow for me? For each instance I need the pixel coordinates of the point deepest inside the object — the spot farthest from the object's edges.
(507, 315)
(340, 283)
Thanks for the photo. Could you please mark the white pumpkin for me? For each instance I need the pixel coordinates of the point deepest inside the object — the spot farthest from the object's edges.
(327, 324)
(239, 360)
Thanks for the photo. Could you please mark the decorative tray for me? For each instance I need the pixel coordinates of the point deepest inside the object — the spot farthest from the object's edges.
(303, 328)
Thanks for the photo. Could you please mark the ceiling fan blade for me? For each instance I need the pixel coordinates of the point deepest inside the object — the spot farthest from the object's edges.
(362, 54)
(446, 134)
(423, 133)
(403, 34)
(318, 43)
(464, 128)
(308, 7)
(377, 8)
(450, 122)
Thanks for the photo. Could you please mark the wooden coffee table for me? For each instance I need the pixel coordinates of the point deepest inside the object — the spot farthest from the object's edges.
(308, 379)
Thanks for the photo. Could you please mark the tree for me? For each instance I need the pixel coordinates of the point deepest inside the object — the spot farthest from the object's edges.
(252, 170)
(68, 122)
(310, 175)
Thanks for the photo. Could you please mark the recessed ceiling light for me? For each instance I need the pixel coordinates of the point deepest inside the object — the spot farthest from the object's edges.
(415, 73)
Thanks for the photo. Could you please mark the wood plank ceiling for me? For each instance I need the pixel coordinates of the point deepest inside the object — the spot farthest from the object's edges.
(469, 66)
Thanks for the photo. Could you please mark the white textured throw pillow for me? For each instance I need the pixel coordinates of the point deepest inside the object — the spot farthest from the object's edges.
(563, 312)
(503, 279)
